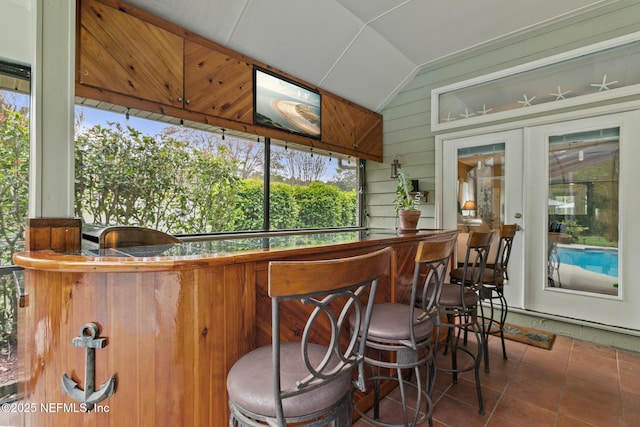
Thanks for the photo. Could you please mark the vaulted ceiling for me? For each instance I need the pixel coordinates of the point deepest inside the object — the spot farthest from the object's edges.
(362, 50)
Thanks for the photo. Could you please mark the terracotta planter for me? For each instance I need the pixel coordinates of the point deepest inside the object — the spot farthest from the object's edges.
(408, 220)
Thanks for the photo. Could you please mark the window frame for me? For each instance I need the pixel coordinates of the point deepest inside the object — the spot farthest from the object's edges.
(496, 79)
(360, 215)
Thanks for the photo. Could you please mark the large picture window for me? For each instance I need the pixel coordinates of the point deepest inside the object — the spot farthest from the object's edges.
(14, 171)
(311, 190)
(183, 180)
(14, 194)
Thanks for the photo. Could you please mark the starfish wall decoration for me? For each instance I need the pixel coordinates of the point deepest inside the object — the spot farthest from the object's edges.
(467, 113)
(527, 101)
(604, 85)
(484, 110)
(449, 118)
(560, 94)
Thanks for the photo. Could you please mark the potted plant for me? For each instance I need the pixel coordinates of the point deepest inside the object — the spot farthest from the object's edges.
(406, 204)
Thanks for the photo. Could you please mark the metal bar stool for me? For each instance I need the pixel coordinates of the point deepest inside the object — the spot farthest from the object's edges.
(458, 309)
(493, 289)
(401, 336)
(309, 382)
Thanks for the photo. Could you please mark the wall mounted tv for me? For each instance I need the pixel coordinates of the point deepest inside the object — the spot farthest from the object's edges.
(282, 104)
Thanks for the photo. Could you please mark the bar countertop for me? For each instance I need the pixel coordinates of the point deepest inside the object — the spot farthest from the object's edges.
(204, 253)
(175, 317)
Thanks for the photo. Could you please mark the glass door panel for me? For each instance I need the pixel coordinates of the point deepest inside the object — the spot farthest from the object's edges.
(583, 211)
(481, 190)
(481, 186)
(582, 179)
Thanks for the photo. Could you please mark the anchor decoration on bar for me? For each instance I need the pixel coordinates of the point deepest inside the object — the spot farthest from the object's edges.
(89, 396)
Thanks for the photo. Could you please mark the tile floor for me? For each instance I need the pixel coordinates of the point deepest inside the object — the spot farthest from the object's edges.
(574, 384)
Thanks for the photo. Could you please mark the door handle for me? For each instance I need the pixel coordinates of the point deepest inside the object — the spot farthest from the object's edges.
(518, 215)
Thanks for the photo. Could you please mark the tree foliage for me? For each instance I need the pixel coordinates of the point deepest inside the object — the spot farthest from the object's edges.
(183, 186)
(283, 206)
(299, 167)
(14, 176)
(319, 205)
(249, 205)
(124, 177)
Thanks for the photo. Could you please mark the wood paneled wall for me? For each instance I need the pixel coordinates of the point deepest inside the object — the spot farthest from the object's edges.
(171, 339)
(128, 57)
(57, 234)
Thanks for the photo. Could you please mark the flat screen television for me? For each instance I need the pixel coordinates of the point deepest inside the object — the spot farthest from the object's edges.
(282, 104)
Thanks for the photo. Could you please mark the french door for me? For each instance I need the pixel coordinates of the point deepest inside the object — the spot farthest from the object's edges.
(582, 197)
(482, 189)
(572, 187)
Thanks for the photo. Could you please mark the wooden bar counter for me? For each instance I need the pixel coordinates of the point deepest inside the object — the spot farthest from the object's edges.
(174, 319)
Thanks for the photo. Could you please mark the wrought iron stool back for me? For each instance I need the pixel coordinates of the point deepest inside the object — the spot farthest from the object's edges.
(309, 382)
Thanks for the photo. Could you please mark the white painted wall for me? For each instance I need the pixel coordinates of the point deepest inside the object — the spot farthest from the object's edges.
(407, 126)
(16, 30)
(52, 166)
(41, 34)
(407, 122)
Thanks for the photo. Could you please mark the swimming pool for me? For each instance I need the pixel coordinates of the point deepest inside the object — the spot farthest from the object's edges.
(596, 260)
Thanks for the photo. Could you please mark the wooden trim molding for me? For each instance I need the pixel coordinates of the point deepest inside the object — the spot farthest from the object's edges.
(57, 234)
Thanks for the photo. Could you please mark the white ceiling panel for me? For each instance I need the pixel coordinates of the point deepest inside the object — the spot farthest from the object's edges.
(294, 35)
(214, 20)
(436, 28)
(362, 50)
(371, 9)
(369, 70)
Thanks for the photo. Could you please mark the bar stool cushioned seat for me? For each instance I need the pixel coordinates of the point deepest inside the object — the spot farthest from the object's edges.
(309, 381)
(389, 321)
(250, 385)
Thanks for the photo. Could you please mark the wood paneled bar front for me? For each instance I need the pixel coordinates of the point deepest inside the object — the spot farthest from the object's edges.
(174, 319)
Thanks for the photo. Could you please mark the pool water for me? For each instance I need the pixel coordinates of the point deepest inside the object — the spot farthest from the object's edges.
(596, 260)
